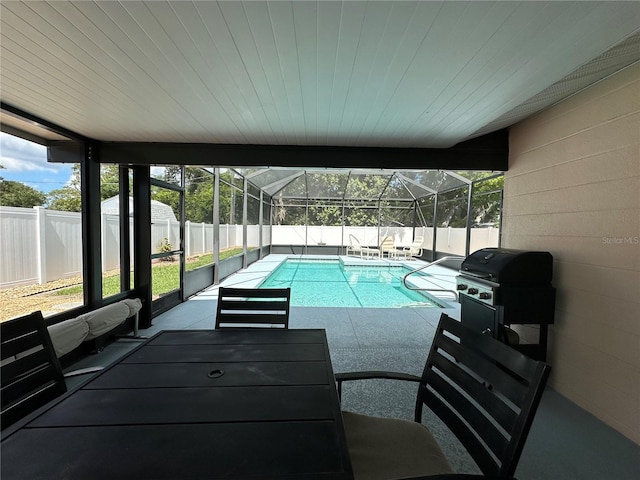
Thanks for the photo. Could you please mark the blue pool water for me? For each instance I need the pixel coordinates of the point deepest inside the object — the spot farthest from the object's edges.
(326, 283)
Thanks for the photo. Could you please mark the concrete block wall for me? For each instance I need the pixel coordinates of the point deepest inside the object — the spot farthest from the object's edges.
(573, 188)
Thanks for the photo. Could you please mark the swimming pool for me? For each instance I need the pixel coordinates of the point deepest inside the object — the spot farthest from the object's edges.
(322, 283)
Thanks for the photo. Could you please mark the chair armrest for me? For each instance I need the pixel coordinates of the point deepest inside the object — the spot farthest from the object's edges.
(82, 371)
(373, 374)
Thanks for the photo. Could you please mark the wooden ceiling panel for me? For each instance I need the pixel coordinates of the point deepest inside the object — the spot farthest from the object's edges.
(355, 73)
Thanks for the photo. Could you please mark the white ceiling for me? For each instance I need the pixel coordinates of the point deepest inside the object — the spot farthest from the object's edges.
(353, 73)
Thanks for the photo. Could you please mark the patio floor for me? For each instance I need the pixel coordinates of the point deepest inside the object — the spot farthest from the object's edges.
(565, 441)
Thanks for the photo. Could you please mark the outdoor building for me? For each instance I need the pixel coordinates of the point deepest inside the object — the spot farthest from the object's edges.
(159, 211)
(233, 143)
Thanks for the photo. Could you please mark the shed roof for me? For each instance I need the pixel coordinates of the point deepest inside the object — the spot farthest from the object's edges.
(159, 211)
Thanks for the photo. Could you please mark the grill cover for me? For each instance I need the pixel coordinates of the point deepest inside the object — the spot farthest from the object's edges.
(509, 267)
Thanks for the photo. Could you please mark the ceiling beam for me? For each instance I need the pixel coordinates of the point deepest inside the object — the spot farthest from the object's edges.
(488, 152)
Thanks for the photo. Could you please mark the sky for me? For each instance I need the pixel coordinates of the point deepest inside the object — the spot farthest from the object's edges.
(26, 162)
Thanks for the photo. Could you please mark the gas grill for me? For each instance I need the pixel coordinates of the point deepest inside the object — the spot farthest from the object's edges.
(499, 287)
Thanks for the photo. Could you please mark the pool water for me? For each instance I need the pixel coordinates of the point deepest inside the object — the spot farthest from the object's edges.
(329, 283)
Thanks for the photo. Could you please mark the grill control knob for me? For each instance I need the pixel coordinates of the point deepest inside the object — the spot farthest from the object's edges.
(484, 295)
(461, 286)
(472, 291)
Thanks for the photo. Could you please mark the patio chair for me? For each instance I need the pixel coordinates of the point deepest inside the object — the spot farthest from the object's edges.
(485, 392)
(356, 248)
(31, 372)
(414, 250)
(388, 246)
(253, 307)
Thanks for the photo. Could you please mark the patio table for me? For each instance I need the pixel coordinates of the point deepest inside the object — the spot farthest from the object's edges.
(193, 404)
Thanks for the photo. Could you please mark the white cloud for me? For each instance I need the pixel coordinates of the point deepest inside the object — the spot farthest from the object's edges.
(18, 155)
(157, 172)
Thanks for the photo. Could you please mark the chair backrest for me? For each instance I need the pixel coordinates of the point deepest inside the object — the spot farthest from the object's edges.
(387, 244)
(416, 246)
(253, 307)
(354, 242)
(31, 372)
(486, 392)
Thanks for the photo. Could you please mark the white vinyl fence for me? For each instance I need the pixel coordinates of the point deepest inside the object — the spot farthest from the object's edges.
(40, 245)
(337, 235)
(454, 240)
(449, 240)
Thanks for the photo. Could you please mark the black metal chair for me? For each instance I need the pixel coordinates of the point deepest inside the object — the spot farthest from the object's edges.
(253, 307)
(484, 391)
(31, 372)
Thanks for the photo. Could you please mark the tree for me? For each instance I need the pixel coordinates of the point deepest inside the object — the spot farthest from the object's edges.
(486, 194)
(198, 195)
(168, 197)
(67, 198)
(487, 202)
(173, 174)
(16, 194)
(325, 193)
(324, 214)
(110, 181)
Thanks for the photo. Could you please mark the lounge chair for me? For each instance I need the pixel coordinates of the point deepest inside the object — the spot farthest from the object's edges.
(354, 247)
(414, 250)
(388, 246)
(357, 249)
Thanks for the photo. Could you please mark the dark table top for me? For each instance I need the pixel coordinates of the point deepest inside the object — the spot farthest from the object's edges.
(193, 405)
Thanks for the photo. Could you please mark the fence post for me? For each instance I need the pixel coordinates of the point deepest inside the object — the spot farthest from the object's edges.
(103, 243)
(41, 244)
(204, 238)
(187, 234)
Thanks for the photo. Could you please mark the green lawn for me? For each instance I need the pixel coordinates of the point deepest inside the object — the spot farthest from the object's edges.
(165, 277)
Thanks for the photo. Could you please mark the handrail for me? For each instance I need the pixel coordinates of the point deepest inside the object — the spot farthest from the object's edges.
(430, 264)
